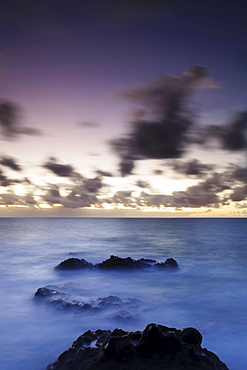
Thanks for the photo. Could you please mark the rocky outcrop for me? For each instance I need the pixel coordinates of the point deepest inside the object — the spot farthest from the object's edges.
(62, 302)
(169, 263)
(74, 264)
(156, 347)
(117, 263)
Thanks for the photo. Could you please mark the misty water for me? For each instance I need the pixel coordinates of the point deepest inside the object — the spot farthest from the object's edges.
(208, 291)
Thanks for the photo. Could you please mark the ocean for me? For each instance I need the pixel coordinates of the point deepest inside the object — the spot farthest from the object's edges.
(207, 292)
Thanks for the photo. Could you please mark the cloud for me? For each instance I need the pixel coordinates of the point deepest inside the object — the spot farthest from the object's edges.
(4, 181)
(158, 172)
(10, 126)
(239, 194)
(104, 173)
(87, 124)
(10, 162)
(143, 184)
(63, 170)
(232, 136)
(81, 193)
(164, 126)
(240, 174)
(192, 167)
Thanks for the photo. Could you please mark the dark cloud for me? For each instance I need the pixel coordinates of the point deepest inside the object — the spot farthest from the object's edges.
(104, 173)
(63, 170)
(232, 136)
(4, 181)
(10, 162)
(240, 174)
(191, 168)
(164, 127)
(239, 194)
(123, 197)
(78, 196)
(216, 191)
(143, 184)
(10, 126)
(92, 185)
(158, 172)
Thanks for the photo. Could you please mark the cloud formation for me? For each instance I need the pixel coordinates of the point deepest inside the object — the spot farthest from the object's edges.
(10, 126)
(233, 135)
(10, 162)
(164, 126)
(193, 168)
(63, 170)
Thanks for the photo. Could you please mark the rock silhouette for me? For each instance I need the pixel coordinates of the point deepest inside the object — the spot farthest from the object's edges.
(63, 302)
(116, 263)
(156, 347)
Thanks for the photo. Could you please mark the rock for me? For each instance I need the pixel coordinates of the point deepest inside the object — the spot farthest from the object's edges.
(111, 300)
(46, 292)
(156, 347)
(75, 306)
(115, 262)
(149, 260)
(74, 264)
(62, 301)
(123, 315)
(169, 263)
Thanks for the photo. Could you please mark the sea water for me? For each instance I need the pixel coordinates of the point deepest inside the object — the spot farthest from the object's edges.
(207, 292)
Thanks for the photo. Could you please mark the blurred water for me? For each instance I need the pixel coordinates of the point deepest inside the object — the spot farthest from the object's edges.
(207, 292)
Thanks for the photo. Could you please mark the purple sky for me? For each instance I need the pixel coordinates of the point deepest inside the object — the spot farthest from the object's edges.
(68, 64)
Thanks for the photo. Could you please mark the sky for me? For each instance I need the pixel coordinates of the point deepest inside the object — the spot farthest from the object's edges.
(132, 108)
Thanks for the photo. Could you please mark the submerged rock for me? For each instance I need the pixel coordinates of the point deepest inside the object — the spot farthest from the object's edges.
(156, 347)
(62, 302)
(74, 264)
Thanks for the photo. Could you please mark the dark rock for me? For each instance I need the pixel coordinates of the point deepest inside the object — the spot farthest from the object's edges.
(169, 263)
(123, 315)
(157, 347)
(115, 262)
(45, 292)
(147, 260)
(76, 306)
(191, 336)
(109, 301)
(61, 301)
(74, 264)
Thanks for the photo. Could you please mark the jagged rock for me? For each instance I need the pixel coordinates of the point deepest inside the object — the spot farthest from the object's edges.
(76, 306)
(111, 300)
(123, 315)
(46, 292)
(156, 347)
(62, 301)
(149, 260)
(169, 263)
(74, 264)
(115, 262)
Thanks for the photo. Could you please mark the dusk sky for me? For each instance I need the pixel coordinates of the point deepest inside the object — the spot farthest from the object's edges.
(123, 108)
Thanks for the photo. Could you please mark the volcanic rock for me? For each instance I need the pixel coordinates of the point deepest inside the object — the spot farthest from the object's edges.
(156, 347)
